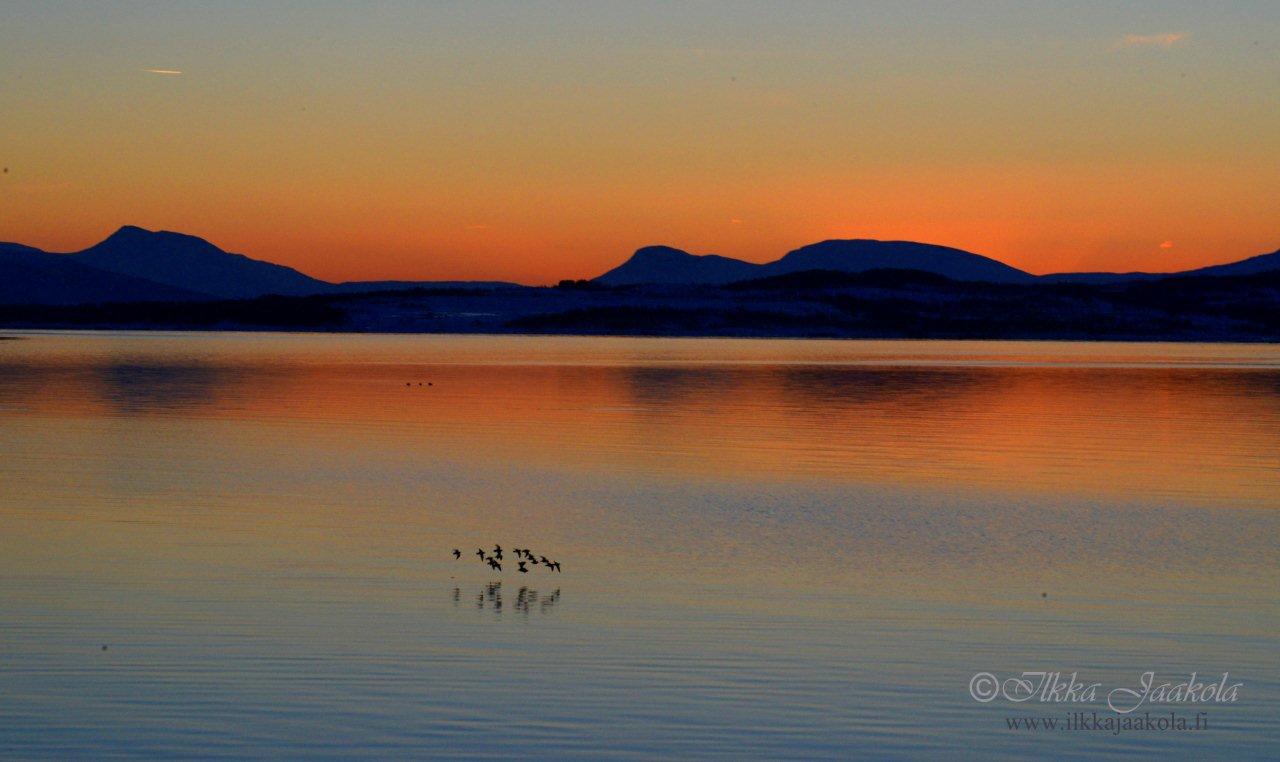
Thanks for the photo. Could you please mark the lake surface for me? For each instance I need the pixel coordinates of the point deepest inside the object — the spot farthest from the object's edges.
(774, 549)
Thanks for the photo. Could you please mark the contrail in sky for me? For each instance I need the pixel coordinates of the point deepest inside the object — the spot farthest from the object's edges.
(163, 71)
(1166, 40)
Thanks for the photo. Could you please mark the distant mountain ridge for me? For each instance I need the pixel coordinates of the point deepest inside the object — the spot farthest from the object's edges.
(191, 263)
(1262, 263)
(666, 265)
(31, 276)
(861, 254)
(1251, 266)
(138, 265)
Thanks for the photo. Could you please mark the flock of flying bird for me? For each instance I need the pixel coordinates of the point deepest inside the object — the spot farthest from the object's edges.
(524, 556)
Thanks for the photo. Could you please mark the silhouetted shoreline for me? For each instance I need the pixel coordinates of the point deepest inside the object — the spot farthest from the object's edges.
(875, 304)
(855, 289)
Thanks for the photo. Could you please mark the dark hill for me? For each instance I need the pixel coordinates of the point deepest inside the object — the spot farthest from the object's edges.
(863, 254)
(31, 276)
(665, 265)
(193, 264)
(1252, 266)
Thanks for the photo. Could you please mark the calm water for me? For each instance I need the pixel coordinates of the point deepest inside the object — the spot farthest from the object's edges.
(769, 548)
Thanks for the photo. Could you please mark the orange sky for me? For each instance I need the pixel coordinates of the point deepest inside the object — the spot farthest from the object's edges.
(534, 143)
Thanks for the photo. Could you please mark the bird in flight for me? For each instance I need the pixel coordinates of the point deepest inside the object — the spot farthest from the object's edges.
(529, 559)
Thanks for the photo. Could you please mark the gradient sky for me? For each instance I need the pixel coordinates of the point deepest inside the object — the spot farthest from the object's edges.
(536, 141)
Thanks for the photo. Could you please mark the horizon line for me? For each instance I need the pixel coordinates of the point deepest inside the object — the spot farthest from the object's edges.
(635, 251)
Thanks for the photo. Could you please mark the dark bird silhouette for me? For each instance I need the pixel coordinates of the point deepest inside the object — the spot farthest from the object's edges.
(480, 553)
(555, 565)
(523, 570)
(544, 560)
(457, 554)
(493, 562)
(533, 560)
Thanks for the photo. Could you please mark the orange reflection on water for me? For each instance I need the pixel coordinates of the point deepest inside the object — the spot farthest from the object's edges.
(1091, 423)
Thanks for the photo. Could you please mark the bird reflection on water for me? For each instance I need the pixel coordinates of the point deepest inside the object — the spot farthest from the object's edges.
(938, 473)
(527, 600)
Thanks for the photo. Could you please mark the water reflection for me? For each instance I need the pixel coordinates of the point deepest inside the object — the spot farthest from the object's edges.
(528, 600)
(779, 549)
(155, 388)
(673, 387)
(130, 388)
(847, 388)
(1059, 425)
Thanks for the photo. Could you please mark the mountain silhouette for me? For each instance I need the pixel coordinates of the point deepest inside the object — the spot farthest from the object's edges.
(1252, 266)
(666, 265)
(862, 254)
(138, 265)
(193, 264)
(32, 276)
(832, 289)
(1262, 263)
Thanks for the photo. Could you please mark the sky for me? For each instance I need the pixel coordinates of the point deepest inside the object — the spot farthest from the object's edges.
(535, 141)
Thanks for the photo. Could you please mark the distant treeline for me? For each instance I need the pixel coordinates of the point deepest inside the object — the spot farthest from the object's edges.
(914, 304)
(872, 304)
(283, 312)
